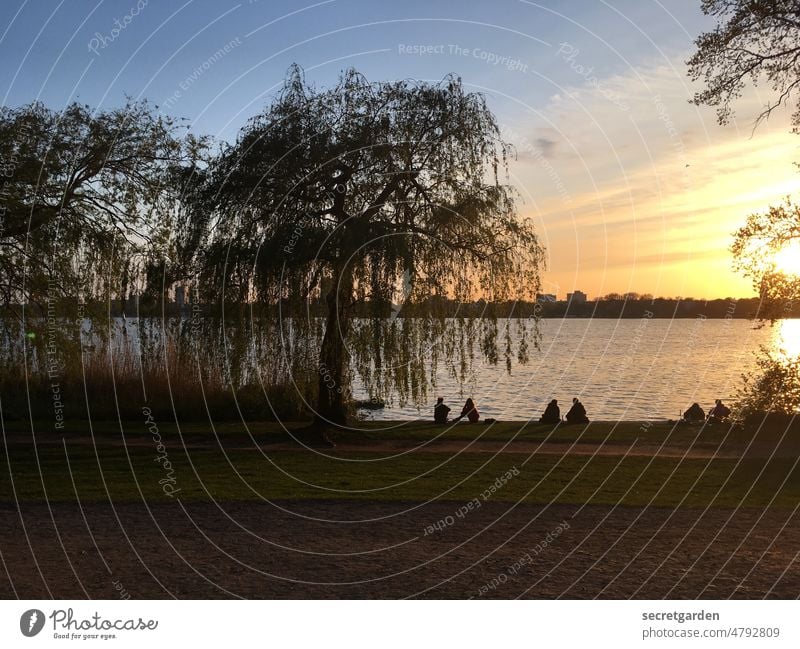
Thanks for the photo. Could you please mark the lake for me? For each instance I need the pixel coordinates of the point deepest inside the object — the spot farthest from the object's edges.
(620, 369)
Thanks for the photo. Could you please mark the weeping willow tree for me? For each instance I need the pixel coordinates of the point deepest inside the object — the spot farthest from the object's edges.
(347, 210)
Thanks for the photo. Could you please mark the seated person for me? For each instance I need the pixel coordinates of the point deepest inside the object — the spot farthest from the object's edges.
(470, 412)
(577, 414)
(552, 414)
(719, 412)
(440, 412)
(694, 413)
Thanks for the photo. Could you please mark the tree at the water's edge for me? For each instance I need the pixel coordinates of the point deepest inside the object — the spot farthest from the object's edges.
(754, 42)
(759, 41)
(365, 199)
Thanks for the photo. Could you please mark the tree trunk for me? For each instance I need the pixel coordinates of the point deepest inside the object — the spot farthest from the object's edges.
(334, 367)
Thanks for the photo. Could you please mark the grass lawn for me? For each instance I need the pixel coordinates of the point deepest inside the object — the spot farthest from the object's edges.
(67, 467)
(622, 432)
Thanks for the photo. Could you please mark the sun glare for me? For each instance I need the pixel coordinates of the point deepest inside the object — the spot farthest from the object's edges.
(787, 260)
(786, 340)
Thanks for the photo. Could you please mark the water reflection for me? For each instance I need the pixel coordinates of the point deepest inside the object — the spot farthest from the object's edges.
(786, 339)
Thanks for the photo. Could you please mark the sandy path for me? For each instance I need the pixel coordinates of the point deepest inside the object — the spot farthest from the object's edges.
(263, 550)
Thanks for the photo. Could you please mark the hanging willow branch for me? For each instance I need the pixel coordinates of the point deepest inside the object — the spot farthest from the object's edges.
(362, 205)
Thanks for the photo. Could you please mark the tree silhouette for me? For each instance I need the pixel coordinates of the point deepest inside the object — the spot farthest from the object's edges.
(756, 246)
(371, 196)
(754, 40)
(80, 191)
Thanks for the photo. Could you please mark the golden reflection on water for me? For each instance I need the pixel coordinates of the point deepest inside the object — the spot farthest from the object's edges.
(786, 339)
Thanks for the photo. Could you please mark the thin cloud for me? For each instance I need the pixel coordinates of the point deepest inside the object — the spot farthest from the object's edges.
(637, 176)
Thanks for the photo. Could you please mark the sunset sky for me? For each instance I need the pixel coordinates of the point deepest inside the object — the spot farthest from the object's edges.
(631, 187)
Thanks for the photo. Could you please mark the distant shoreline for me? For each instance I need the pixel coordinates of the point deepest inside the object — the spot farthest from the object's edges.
(606, 308)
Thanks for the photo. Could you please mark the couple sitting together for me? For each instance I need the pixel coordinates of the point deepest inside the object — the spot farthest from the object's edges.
(441, 411)
(718, 414)
(576, 414)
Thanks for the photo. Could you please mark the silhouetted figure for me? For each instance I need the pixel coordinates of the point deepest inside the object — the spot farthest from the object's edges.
(470, 412)
(694, 413)
(552, 414)
(440, 412)
(719, 412)
(577, 414)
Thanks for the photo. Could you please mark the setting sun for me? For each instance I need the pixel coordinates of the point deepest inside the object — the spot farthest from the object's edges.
(787, 260)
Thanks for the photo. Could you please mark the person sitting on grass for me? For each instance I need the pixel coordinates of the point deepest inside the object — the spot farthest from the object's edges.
(470, 412)
(694, 414)
(440, 412)
(577, 414)
(552, 414)
(719, 413)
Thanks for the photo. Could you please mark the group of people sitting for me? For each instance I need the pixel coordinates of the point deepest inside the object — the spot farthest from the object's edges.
(718, 414)
(441, 412)
(575, 415)
(552, 414)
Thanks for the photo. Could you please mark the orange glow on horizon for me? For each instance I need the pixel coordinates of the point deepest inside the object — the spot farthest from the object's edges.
(666, 230)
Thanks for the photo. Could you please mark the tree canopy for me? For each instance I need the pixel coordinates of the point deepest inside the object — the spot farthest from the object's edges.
(366, 193)
(754, 41)
(82, 188)
(757, 249)
(758, 40)
(346, 221)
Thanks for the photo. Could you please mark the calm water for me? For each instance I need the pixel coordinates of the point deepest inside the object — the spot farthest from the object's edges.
(620, 369)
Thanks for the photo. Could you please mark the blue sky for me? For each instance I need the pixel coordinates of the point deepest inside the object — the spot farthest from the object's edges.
(593, 94)
(46, 52)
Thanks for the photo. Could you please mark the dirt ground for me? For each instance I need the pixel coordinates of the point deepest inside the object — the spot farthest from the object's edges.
(345, 549)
